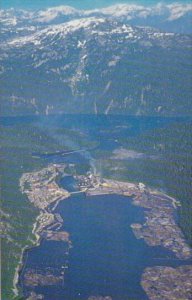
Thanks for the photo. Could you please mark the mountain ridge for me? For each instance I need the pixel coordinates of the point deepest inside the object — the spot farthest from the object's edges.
(161, 15)
(98, 64)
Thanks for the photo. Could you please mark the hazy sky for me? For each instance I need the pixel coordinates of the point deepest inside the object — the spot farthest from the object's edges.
(84, 4)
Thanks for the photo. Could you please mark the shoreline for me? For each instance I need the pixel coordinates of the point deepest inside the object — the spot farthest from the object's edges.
(20, 264)
(40, 224)
(159, 228)
(35, 243)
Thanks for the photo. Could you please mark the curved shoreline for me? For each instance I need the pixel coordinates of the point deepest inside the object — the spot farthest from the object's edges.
(38, 181)
(160, 228)
(159, 209)
(19, 267)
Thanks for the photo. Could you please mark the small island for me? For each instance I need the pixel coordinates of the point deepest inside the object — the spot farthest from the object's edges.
(33, 278)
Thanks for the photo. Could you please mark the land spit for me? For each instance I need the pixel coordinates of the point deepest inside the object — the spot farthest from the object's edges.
(160, 229)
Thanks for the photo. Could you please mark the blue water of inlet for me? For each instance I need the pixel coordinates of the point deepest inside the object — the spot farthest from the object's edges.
(106, 258)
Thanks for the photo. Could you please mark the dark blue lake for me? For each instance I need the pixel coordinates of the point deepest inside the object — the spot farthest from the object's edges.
(106, 258)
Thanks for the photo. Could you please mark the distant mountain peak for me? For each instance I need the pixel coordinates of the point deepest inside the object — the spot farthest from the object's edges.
(48, 15)
(161, 15)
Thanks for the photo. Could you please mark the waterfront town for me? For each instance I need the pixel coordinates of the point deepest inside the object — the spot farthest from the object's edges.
(159, 229)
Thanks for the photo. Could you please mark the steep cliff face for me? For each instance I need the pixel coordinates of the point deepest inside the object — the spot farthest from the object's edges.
(62, 60)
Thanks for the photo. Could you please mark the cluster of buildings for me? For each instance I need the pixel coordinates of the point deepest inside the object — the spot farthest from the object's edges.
(88, 181)
(41, 187)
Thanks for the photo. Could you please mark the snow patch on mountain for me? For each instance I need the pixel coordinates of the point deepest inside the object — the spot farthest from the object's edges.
(177, 10)
(61, 29)
(170, 12)
(120, 10)
(173, 11)
(130, 11)
(51, 13)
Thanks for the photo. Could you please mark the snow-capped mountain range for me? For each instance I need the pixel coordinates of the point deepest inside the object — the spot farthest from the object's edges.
(100, 61)
(175, 17)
